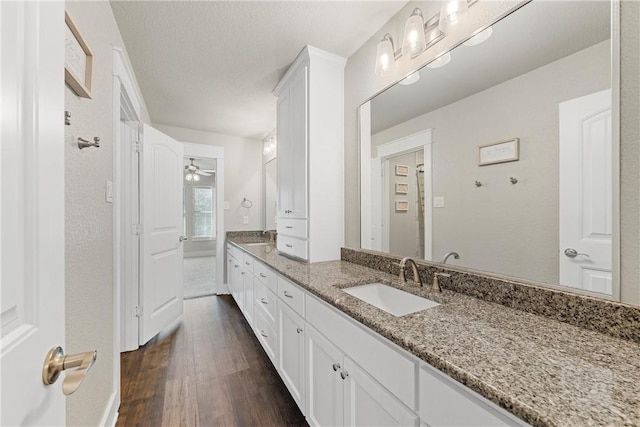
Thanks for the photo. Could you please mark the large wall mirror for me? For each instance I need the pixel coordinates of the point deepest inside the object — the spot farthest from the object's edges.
(501, 157)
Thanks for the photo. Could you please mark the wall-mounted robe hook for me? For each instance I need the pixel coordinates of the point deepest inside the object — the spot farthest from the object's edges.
(83, 143)
(246, 203)
(513, 180)
(478, 183)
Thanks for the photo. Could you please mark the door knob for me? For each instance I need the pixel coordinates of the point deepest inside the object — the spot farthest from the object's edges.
(572, 253)
(183, 238)
(56, 362)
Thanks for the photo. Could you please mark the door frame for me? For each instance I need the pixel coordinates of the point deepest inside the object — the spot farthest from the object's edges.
(418, 141)
(217, 153)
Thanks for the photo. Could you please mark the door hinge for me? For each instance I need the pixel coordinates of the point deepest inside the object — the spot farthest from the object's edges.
(137, 229)
(137, 146)
(138, 311)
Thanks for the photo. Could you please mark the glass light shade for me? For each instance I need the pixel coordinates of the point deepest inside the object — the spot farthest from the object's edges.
(196, 177)
(385, 57)
(482, 36)
(411, 78)
(414, 41)
(188, 177)
(441, 61)
(451, 12)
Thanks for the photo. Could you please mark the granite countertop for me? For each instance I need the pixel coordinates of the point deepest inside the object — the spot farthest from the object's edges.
(544, 371)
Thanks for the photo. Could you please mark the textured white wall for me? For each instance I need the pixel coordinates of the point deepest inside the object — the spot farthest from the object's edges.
(242, 173)
(500, 227)
(89, 219)
(361, 84)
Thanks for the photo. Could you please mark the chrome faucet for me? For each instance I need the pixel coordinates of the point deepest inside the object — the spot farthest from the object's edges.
(448, 254)
(416, 274)
(436, 281)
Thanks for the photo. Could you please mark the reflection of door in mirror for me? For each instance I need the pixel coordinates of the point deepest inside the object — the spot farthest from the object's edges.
(585, 192)
(270, 194)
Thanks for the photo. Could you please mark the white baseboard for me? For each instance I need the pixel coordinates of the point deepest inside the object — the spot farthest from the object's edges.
(195, 254)
(111, 414)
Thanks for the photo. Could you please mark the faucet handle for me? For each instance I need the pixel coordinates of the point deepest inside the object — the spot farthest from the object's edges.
(436, 281)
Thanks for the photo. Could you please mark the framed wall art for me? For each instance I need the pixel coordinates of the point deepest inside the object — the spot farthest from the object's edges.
(402, 205)
(402, 188)
(78, 60)
(402, 170)
(499, 152)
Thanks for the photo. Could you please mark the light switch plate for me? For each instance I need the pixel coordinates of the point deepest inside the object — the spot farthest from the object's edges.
(226, 205)
(108, 192)
(245, 219)
(438, 202)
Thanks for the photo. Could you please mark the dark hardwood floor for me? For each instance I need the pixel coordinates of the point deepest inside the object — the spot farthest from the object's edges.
(209, 370)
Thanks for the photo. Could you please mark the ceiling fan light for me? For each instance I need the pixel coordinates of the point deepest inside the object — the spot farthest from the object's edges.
(385, 57)
(451, 12)
(196, 177)
(414, 41)
(188, 177)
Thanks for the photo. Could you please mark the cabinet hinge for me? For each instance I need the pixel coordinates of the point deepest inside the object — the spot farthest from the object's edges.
(137, 229)
(138, 311)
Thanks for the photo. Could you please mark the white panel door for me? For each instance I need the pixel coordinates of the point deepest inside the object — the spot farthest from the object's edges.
(369, 404)
(32, 210)
(162, 251)
(586, 193)
(324, 385)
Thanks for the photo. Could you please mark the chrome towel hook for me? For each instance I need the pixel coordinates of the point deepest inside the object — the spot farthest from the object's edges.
(478, 183)
(513, 180)
(83, 143)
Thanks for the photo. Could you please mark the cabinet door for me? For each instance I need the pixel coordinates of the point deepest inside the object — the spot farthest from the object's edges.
(291, 352)
(236, 278)
(248, 296)
(323, 382)
(285, 155)
(298, 129)
(367, 403)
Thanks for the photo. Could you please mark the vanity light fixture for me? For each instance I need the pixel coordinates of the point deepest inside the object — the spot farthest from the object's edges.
(410, 79)
(482, 36)
(420, 36)
(192, 177)
(441, 61)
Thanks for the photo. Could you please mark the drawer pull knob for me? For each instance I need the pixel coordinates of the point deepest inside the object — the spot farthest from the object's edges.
(287, 294)
(288, 226)
(263, 334)
(344, 375)
(263, 275)
(235, 265)
(242, 273)
(247, 263)
(299, 330)
(288, 245)
(264, 301)
(336, 366)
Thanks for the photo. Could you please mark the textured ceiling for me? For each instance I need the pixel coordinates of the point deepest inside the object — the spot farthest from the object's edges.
(537, 34)
(212, 65)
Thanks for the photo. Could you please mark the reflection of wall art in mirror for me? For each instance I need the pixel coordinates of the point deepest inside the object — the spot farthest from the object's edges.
(78, 60)
(402, 188)
(402, 205)
(499, 152)
(402, 170)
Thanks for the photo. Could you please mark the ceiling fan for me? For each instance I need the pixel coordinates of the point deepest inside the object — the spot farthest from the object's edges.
(193, 172)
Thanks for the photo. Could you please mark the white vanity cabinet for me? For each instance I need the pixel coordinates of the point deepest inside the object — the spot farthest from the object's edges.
(291, 366)
(310, 127)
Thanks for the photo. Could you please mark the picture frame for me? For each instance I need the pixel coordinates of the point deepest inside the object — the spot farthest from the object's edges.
(402, 188)
(499, 152)
(78, 60)
(402, 205)
(402, 170)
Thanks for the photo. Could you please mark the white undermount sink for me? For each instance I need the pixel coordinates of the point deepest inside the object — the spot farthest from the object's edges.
(390, 299)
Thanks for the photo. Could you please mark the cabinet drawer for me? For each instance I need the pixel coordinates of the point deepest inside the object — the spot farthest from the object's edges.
(247, 262)
(292, 227)
(234, 251)
(444, 402)
(293, 246)
(266, 301)
(266, 335)
(266, 275)
(291, 294)
(378, 356)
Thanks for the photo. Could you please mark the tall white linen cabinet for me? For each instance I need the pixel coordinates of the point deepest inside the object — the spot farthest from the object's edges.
(310, 131)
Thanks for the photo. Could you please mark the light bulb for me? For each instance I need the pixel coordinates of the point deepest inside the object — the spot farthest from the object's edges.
(188, 177)
(196, 177)
(451, 12)
(414, 41)
(385, 57)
